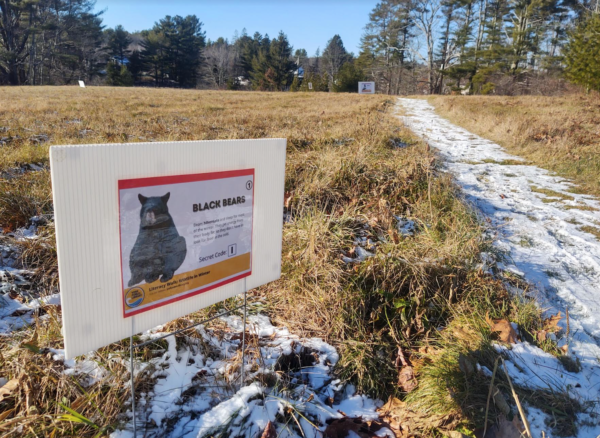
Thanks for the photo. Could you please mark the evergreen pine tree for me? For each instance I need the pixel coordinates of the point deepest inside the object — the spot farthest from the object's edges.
(136, 65)
(308, 78)
(261, 65)
(118, 76)
(118, 43)
(384, 44)
(125, 77)
(582, 54)
(348, 78)
(295, 84)
(281, 62)
(334, 56)
(112, 74)
(322, 82)
(247, 49)
(173, 49)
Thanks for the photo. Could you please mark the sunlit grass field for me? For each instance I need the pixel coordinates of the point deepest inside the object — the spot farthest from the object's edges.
(352, 172)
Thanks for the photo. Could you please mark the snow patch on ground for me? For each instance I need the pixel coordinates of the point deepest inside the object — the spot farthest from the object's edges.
(13, 314)
(18, 313)
(406, 227)
(288, 381)
(537, 219)
(88, 371)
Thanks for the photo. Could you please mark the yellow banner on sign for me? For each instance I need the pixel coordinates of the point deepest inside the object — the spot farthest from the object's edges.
(144, 295)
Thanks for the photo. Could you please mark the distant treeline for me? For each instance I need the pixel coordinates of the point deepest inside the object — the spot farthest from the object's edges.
(407, 47)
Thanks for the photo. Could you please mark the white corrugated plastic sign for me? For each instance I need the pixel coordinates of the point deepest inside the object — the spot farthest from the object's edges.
(366, 88)
(149, 232)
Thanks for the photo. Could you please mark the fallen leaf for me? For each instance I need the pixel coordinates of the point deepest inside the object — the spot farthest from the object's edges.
(342, 427)
(400, 359)
(406, 379)
(505, 429)
(551, 324)
(270, 431)
(541, 335)
(506, 333)
(406, 376)
(392, 405)
(8, 388)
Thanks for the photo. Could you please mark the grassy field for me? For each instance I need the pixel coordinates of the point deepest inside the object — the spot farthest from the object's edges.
(557, 133)
(352, 171)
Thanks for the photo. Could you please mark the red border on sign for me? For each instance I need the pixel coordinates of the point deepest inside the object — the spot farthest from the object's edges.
(178, 179)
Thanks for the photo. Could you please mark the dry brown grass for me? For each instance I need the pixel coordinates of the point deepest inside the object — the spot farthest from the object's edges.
(71, 115)
(557, 133)
(344, 179)
(22, 196)
(36, 407)
(316, 125)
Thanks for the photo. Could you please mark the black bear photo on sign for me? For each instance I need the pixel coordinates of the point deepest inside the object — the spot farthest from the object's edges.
(159, 250)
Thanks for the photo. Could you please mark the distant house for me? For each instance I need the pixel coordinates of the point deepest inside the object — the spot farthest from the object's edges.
(299, 72)
(117, 60)
(244, 82)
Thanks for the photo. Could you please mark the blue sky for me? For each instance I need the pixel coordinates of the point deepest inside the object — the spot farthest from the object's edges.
(309, 24)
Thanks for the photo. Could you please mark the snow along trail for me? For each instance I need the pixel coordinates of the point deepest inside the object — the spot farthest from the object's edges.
(541, 238)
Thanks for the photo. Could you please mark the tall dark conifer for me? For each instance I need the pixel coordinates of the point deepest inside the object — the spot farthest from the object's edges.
(334, 56)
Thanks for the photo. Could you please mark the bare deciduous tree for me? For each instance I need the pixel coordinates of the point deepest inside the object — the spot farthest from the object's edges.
(426, 17)
(220, 59)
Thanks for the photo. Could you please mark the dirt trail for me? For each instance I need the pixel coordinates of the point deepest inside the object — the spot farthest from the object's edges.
(538, 223)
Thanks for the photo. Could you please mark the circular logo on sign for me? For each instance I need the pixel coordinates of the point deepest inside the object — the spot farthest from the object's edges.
(134, 297)
(249, 185)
